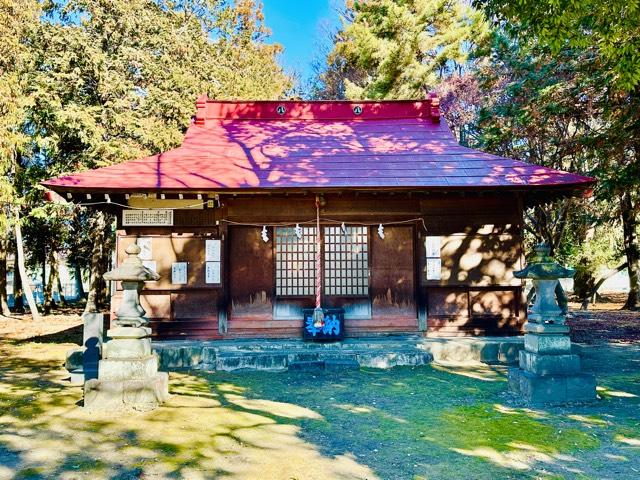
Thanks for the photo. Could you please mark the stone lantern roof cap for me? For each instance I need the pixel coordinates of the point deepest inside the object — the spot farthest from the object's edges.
(132, 268)
(543, 267)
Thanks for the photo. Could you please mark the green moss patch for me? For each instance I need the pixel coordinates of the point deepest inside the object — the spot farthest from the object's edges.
(483, 425)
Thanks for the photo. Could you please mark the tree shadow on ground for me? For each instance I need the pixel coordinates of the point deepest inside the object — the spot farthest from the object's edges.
(454, 421)
(69, 335)
(402, 423)
(205, 431)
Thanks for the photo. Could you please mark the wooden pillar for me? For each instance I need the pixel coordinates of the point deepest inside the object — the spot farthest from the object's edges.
(520, 306)
(223, 299)
(421, 296)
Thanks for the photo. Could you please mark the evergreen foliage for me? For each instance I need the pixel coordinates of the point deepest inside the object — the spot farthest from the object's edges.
(395, 49)
(543, 88)
(89, 83)
(610, 27)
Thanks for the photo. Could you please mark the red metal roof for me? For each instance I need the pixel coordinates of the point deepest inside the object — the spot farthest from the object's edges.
(317, 145)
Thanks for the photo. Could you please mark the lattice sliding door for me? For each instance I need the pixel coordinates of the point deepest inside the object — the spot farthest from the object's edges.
(346, 261)
(295, 262)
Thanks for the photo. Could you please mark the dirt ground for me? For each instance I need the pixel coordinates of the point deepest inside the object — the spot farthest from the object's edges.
(65, 325)
(432, 422)
(604, 322)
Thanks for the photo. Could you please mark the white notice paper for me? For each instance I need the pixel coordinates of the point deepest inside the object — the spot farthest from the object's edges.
(434, 268)
(212, 272)
(179, 273)
(432, 247)
(146, 253)
(212, 250)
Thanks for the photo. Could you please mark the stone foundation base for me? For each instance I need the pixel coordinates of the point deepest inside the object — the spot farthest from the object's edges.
(114, 395)
(552, 389)
(549, 344)
(546, 364)
(128, 368)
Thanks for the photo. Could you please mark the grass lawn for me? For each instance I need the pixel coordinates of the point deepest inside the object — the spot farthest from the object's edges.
(406, 423)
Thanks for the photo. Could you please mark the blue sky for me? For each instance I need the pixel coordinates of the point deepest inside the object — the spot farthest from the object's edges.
(298, 26)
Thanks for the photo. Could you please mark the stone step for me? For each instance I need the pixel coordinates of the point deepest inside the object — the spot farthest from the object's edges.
(229, 361)
(313, 347)
(339, 365)
(288, 344)
(332, 365)
(307, 365)
(368, 352)
(248, 361)
(493, 351)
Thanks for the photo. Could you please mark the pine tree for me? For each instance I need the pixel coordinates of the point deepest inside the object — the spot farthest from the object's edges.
(18, 20)
(402, 48)
(113, 81)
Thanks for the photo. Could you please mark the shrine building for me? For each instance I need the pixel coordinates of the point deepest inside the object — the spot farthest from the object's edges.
(418, 234)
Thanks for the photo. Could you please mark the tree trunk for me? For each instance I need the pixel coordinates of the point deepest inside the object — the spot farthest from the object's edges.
(77, 277)
(22, 269)
(106, 265)
(47, 285)
(63, 300)
(631, 250)
(43, 280)
(4, 301)
(592, 294)
(98, 227)
(18, 295)
(109, 246)
(49, 301)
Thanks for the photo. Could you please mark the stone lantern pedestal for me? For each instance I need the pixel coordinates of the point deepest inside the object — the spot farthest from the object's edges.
(549, 371)
(128, 371)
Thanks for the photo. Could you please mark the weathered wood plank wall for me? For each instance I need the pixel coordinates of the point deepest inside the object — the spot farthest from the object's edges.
(477, 293)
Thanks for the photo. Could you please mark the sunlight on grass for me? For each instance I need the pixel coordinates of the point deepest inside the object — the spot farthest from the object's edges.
(634, 442)
(589, 420)
(508, 437)
(478, 371)
(606, 392)
(620, 458)
(227, 387)
(507, 460)
(203, 430)
(185, 384)
(355, 409)
(361, 409)
(6, 472)
(519, 411)
(286, 410)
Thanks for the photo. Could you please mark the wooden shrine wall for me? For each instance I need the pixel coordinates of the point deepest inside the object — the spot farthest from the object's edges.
(476, 294)
(393, 276)
(177, 311)
(391, 300)
(251, 286)
(480, 249)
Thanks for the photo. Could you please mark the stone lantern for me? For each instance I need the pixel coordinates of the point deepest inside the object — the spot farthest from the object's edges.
(549, 372)
(128, 371)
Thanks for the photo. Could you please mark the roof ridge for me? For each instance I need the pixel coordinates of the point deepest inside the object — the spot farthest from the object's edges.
(210, 109)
